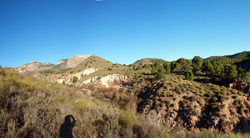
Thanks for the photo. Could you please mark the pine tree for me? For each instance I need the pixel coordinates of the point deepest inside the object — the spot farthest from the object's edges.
(167, 67)
(230, 72)
(207, 67)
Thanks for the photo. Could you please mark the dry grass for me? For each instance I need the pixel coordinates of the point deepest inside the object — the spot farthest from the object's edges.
(35, 108)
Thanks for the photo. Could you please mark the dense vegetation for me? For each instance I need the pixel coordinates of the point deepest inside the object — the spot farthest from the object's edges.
(226, 69)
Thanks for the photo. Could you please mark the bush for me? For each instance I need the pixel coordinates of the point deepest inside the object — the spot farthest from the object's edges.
(189, 76)
(126, 118)
(74, 80)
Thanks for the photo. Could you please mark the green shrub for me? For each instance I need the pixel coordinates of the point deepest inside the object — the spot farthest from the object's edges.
(126, 118)
(74, 80)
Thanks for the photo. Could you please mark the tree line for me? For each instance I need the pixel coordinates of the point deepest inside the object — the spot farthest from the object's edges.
(218, 68)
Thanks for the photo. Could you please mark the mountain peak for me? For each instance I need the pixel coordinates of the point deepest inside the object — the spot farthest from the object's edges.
(75, 60)
(62, 64)
(33, 62)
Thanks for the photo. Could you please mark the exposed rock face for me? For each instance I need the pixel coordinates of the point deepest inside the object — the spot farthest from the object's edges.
(62, 61)
(33, 65)
(113, 80)
(75, 60)
(85, 72)
(79, 75)
(91, 79)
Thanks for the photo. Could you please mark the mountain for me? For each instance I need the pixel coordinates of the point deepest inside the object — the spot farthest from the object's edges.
(240, 55)
(241, 59)
(62, 64)
(75, 60)
(80, 70)
(93, 69)
(99, 63)
(144, 61)
(33, 65)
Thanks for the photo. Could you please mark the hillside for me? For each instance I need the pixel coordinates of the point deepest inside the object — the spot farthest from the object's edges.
(244, 54)
(32, 110)
(35, 108)
(195, 105)
(60, 64)
(144, 61)
(104, 67)
(194, 97)
(92, 70)
(239, 59)
(241, 55)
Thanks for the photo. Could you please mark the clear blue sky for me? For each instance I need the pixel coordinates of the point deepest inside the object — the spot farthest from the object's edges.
(121, 31)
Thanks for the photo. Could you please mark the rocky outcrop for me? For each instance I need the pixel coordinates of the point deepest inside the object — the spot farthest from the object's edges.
(113, 80)
(79, 75)
(62, 61)
(75, 60)
(85, 72)
(91, 79)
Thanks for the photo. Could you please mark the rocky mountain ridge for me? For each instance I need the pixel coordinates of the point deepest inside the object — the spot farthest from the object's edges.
(80, 70)
(62, 64)
(33, 65)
